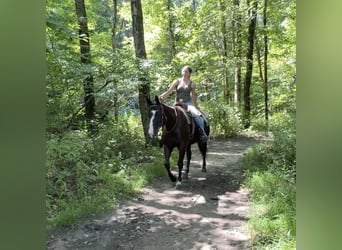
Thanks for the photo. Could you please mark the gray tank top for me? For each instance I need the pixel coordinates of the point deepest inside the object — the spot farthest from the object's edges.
(183, 94)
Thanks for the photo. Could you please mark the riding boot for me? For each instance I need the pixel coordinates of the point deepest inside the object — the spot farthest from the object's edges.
(200, 123)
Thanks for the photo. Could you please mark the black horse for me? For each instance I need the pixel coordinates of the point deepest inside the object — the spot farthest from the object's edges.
(178, 130)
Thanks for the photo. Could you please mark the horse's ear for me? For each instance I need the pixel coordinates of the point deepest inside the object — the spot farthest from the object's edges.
(157, 99)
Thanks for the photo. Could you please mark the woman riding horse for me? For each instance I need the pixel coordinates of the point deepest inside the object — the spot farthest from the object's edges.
(178, 132)
(186, 93)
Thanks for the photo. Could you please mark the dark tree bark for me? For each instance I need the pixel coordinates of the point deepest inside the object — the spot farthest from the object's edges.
(138, 29)
(249, 65)
(265, 62)
(140, 53)
(171, 32)
(114, 47)
(237, 52)
(114, 25)
(88, 82)
(226, 90)
(260, 65)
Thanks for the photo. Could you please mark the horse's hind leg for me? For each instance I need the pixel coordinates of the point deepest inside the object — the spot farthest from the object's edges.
(188, 159)
(203, 148)
(167, 154)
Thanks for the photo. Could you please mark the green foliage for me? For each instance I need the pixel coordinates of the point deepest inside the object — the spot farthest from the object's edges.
(224, 120)
(273, 211)
(281, 151)
(284, 145)
(259, 124)
(271, 176)
(90, 174)
(198, 34)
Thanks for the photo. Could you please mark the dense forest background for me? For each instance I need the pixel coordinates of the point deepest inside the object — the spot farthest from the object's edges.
(104, 57)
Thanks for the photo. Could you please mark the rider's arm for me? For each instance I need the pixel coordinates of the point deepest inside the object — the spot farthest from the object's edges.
(168, 92)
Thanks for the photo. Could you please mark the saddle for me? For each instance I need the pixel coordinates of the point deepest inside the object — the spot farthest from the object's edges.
(203, 114)
(183, 108)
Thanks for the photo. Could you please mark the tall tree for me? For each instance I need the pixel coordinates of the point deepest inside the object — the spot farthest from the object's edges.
(114, 47)
(265, 62)
(249, 63)
(171, 32)
(88, 82)
(140, 53)
(237, 52)
(258, 55)
(226, 90)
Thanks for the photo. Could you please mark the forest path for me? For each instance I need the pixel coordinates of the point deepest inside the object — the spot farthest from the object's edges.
(208, 211)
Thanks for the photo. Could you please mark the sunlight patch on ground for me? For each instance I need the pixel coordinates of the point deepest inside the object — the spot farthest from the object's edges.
(198, 199)
(200, 178)
(224, 154)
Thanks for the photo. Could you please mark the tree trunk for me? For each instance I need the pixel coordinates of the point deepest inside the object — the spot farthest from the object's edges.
(258, 52)
(171, 32)
(138, 29)
(88, 82)
(265, 63)
(140, 53)
(114, 25)
(114, 47)
(237, 53)
(226, 90)
(249, 65)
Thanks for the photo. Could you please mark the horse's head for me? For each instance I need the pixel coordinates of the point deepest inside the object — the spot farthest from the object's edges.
(155, 116)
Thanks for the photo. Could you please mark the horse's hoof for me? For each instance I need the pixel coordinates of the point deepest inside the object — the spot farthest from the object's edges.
(178, 184)
(204, 170)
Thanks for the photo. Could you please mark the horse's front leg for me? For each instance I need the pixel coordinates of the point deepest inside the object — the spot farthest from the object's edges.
(188, 159)
(180, 165)
(167, 154)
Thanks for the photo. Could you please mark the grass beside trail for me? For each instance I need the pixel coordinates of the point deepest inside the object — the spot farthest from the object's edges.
(270, 169)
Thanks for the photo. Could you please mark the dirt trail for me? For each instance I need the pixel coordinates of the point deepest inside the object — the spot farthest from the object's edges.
(208, 211)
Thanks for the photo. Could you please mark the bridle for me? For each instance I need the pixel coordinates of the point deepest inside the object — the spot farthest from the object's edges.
(165, 118)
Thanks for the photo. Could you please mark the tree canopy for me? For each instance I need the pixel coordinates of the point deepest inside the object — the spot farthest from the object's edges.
(211, 36)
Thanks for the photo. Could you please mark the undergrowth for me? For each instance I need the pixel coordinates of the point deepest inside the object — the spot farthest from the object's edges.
(86, 175)
(271, 176)
(225, 121)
